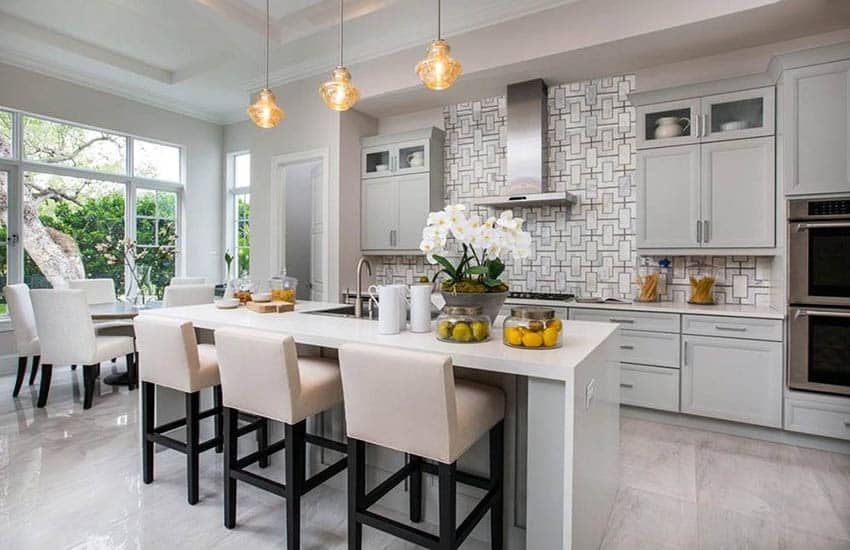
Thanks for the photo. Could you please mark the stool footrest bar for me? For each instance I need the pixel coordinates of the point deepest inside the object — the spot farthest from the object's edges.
(400, 530)
(387, 485)
(325, 475)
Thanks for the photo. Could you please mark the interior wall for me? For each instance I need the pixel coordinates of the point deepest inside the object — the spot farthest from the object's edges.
(412, 121)
(202, 142)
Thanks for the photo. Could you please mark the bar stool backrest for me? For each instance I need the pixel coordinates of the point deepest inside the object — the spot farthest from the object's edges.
(403, 400)
(168, 351)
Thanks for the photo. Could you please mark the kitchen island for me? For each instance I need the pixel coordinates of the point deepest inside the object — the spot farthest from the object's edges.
(562, 414)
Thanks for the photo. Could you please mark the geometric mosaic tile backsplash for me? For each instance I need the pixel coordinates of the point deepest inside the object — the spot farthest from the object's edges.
(588, 248)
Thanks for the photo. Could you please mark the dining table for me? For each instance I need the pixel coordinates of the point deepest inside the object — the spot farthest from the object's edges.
(119, 311)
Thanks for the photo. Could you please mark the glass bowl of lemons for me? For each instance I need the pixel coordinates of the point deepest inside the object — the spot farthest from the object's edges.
(463, 325)
(532, 328)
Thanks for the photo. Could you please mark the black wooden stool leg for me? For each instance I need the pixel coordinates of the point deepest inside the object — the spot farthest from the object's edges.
(295, 474)
(217, 419)
(448, 505)
(44, 388)
(132, 374)
(35, 360)
(89, 377)
(148, 404)
(193, 406)
(415, 492)
(231, 425)
(22, 373)
(263, 443)
(497, 473)
(356, 491)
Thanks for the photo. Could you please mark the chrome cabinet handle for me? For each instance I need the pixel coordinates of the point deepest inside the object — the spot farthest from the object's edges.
(699, 231)
(704, 125)
(847, 423)
(705, 233)
(623, 385)
(695, 126)
(731, 329)
(392, 237)
(627, 347)
(615, 320)
(685, 353)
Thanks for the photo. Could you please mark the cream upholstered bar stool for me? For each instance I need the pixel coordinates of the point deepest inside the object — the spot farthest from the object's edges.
(67, 337)
(188, 295)
(170, 356)
(261, 373)
(26, 336)
(410, 402)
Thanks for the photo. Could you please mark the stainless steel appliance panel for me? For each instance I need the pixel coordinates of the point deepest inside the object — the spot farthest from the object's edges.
(819, 349)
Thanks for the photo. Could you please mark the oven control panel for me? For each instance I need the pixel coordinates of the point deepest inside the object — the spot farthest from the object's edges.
(829, 208)
(819, 209)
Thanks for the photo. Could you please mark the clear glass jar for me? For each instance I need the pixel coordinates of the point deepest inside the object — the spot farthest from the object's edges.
(463, 325)
(532, 328)
(702, 278)
(283, 288)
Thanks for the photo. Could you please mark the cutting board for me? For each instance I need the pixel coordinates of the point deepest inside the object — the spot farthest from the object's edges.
(270, 307)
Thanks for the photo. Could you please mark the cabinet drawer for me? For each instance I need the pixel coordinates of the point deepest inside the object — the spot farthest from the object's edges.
(652, 387)
(830, 418)
(734, 327)
(650, 348)
(632, 320)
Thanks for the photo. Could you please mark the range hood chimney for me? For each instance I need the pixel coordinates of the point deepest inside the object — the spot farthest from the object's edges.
(527, 127)
(527, 136)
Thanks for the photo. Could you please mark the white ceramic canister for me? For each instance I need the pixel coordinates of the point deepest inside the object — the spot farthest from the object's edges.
(420, 307)
(403, 292)
(390, 317)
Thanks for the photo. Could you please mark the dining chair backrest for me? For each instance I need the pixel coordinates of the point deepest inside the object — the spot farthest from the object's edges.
(23, 318)
(188, 281)
(98, 291)
(65, 328)
(188, 295)
(168, 351)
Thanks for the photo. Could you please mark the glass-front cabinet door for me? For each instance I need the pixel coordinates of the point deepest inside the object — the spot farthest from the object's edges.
(670, 123)
(378, 161)
(413, 157)
(746, 114)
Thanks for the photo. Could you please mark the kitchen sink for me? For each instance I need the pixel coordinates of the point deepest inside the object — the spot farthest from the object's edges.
(348, 311)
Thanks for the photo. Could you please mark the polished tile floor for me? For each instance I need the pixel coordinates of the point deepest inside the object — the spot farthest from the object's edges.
(70, 479)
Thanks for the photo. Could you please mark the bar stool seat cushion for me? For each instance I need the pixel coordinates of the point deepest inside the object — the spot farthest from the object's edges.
(208, 374)
(321, 386)
(479, 408)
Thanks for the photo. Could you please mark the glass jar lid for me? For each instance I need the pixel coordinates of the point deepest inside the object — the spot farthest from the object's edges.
(533, 313)
(470, 311)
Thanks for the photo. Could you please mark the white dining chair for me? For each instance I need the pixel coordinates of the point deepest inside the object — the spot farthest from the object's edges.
(26, 336)
(188, 281)
(188, 295)
(68, 337)
(98, 291)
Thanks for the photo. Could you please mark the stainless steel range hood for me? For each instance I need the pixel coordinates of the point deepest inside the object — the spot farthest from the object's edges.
(526, 149)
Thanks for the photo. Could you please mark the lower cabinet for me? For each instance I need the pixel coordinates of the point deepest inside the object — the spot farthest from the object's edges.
(652, 387)
(811, 413)
(732, 379)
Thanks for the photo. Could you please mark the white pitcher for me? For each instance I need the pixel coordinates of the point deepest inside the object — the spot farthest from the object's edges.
(391, 314)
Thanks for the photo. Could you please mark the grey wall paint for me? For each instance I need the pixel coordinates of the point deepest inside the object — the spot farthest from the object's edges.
(588, 248)
(299, 223)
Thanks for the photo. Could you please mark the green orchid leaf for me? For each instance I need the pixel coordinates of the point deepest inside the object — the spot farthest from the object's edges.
(477, 270)
(492, 283)
(447, 266)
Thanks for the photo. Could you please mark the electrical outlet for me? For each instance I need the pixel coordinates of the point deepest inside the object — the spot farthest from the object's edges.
(589, 394)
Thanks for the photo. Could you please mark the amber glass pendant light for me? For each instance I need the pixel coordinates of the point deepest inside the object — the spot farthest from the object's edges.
(439, 69)
(264, 111)
(339, 93)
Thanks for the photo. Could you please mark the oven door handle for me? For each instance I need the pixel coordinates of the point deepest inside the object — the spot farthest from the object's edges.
(820, 225)
(801, 312)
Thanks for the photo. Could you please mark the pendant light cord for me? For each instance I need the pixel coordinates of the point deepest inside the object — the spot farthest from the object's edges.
(439, 19)
(267, 44)
(340, 33)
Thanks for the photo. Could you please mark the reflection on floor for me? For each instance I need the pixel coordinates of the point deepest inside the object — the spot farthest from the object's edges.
(71, 479)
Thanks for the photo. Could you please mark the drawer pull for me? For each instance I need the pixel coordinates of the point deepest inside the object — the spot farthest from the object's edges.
(628, 386)
(615, 320)
(627, 347)
(847, 423)
(731, 329)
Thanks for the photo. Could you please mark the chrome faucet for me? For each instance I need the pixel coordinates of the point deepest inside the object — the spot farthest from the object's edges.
(358, 300)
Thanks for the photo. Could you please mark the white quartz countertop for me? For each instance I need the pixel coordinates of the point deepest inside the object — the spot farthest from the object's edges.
(728, 310)
(580, 338)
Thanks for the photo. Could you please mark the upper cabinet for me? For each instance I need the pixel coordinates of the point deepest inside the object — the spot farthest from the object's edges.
(736, 115)
(402, 181)
(816, 123)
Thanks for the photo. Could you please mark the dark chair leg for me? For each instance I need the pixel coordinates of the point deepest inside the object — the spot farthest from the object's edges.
(89, 377)
(263, 443)
(231, 425)
(132, 375)
(193, 406)
(448, 506)
(356, 491)
(148, 403)
(217, 419)
(22, 373)
(497, 473)
(44, 389)
(73, 367)
(415, 492)
(295, 474)
(114, 359)
(35, 360)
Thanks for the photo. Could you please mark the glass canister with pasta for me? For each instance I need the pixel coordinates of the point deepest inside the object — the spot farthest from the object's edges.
(702, 280)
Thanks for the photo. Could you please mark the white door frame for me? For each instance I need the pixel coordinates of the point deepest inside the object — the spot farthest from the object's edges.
(277, 218)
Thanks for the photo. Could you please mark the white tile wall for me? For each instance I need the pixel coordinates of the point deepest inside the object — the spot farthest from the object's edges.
(589, 248)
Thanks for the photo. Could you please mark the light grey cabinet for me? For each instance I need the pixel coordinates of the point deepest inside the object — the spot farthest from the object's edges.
(732, 379)
(668, 197)
(816, 114)
(402, 181)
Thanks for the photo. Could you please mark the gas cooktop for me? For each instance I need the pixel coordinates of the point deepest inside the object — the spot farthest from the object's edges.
(541, 296)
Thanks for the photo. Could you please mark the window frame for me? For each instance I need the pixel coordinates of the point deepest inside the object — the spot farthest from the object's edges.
(18, 166)
(232, 214)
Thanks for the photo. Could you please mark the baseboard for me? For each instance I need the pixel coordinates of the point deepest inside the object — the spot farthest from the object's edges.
(772, 435)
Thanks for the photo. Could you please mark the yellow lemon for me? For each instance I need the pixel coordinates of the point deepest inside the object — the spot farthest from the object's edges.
(532, 340)
(513, 336)
(444, 329)
(462, 333)
(535, 326)
(550, 337)
(555, 323)
(480, 330)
